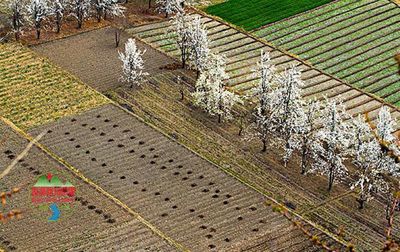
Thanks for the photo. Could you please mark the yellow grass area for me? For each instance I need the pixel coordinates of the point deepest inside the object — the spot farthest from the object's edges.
(33, 91)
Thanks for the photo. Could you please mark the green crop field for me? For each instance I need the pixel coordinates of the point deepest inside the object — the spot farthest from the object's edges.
(354, 40)
(253, 14)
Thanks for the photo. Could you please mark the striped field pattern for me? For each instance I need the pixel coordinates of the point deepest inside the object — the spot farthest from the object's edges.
(353, 40)
(34, 91)
(243, 51)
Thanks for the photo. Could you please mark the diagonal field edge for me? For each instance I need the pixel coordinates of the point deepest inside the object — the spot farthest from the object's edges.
(297, 58)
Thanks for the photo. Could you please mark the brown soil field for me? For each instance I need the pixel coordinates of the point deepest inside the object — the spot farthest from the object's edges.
(94, 222)
(185, 196)
(97, 50)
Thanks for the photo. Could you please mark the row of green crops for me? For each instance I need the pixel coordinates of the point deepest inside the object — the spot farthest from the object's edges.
(256, 13)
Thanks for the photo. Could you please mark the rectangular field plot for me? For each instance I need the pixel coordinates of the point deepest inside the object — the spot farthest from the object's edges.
(93, 222)
(186, 197)
(253, 14)
(353, 40)
(33, 91)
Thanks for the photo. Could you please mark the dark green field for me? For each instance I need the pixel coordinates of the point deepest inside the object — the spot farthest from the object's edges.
(253, 14)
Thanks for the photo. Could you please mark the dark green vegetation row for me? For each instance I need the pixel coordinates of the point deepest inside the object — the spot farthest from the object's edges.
(253, 14)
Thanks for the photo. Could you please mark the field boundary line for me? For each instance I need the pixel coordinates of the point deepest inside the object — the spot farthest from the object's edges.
(296, 57)
(233, 174)
(296, 15)
(68, 36)
(81, 176)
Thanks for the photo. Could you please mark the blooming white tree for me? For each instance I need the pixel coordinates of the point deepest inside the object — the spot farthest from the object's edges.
(371, 162)
(57, 10)
(38, 10)
(211, 93)
(182, 28)
(80, 10)
(308, 142)
(289, 111)
(112, 8)
(385, 127)
(265, 113)
(99, 6)
(335, 137)
(199, 45)
(133, 64)
(16, 7)
(170, 7)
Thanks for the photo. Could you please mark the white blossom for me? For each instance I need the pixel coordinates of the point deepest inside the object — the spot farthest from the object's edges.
(182, 28)
(199, 45)
(335, 137)
(211, 94)
(371, 162)
(38, 10)
(80, 10)
(133, 64)
(266, 111)
(170, 7)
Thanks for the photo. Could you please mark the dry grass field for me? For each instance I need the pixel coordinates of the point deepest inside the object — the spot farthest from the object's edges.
(34, 91)
(94, 222)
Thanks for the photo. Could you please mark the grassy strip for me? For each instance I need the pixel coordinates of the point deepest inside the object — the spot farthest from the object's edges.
(253, 14)
(33, 91)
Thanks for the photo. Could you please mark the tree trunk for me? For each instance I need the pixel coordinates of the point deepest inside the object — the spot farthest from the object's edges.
(117, 38)
(16, 35)
(149, 4)
(219, 118)
(264, 141)
(58, 22)
(197, 74)
(361, 203)
(331, 179)
(304, 161)
(182, 94)
(37, 33)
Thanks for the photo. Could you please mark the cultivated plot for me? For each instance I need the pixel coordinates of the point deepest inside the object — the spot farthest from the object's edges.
(243, 52)
(253, 14)
(97, 48)
(186, 197)
(94, 223)
(353, 40)
(34, 91)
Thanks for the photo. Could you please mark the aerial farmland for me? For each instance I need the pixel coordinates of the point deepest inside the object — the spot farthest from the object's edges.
(190, 125)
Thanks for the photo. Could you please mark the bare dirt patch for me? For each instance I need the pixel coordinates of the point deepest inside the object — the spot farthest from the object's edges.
(95, 221)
